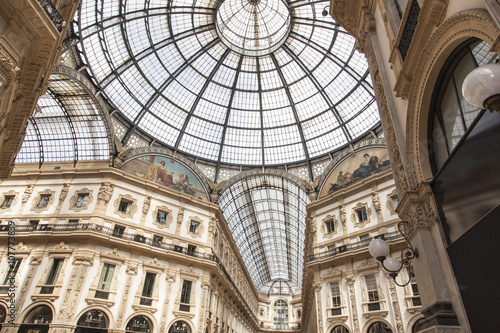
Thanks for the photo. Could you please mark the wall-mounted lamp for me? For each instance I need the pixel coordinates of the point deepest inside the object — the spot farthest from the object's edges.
(380, 250)
(481, 87)
(325, 12)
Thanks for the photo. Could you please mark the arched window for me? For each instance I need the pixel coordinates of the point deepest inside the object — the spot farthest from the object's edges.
(451, 115)
(280, 314)
(41, 314)
(379, 327)
(139, 324)
(340, 329)
(179, 327)
(39, 317)
(3, 315)
(92, 321)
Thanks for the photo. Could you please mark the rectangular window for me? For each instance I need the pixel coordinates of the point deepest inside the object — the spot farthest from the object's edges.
(330, 227)
(371, 287)
(193, 227)
(185, 295)
(54, 271)
(34, 223)
(395, 201)
(414, 287)
(161, 217)
(125, 206)
(118, 231)
(336, 298)
(149, 283)
(106, 277)
(191, 249)
(81, 200)
(7, 201)
(361, 214)
(44, 200)
(365, 239)
(157, 240)
(12, 271)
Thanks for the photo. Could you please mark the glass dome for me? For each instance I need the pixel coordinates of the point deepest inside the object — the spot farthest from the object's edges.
(236, 82)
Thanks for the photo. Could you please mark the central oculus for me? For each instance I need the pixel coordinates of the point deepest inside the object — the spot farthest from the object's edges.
(253, 27)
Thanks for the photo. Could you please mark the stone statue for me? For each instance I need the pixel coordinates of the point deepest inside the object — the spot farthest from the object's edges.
(122, 151)
(311, 186)
(214, 196)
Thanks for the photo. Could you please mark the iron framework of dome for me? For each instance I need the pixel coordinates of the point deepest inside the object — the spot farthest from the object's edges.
(236, 82)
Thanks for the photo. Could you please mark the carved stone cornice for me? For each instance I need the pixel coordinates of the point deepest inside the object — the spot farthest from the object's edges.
(418, 208)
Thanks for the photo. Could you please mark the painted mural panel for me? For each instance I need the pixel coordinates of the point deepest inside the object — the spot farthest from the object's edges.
(356, 168)
(162, 170)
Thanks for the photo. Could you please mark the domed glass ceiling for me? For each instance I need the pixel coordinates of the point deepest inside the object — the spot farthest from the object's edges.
(245, 82)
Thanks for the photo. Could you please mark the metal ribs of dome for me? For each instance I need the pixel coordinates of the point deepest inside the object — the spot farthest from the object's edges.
(162, 65)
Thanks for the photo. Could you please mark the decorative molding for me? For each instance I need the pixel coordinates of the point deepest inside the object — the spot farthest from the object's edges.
(105, 192)
(354, 215)
(74, 198)
(27, 193)
(395, 306)
(377, 206)
(64, 193)
(168, 220)
(113, 256)
(146, 204)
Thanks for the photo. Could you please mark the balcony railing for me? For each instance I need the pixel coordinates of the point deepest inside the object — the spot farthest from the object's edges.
(351, 247)
(46, 289)
(101, 294)
(90, 227)
(281, 326)
(52, 13)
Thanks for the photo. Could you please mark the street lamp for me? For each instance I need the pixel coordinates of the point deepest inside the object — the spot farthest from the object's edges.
(481, 87)
(380, 250)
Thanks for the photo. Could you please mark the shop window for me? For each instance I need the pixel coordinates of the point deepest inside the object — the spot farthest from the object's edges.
(180, 327)
(379, 327)
(139, 324)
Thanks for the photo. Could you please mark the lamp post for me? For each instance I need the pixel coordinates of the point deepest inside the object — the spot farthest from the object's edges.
(380, 250)
(481, 87)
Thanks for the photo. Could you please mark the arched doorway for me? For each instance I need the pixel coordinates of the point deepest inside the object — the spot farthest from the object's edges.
(92, 321)
(379, 327)
(180, 327)
(37, 320)
(139, 324)
(339, 329)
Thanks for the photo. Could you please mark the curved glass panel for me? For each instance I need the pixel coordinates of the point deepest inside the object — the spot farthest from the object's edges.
(41, 314)
(66, 126)
(452, 114)
(246, 82)
(267, 215)
(93, 318)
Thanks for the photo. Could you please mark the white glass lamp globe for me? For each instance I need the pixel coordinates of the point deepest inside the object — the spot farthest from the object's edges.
(378, 249)
(480, 84)
(392, 265)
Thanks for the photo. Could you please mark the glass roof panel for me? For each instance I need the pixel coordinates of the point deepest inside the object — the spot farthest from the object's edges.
(243, 64)
(266, 215)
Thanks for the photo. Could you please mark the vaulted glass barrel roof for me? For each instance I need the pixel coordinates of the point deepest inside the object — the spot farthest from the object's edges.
(267, 217)
(238, 82)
